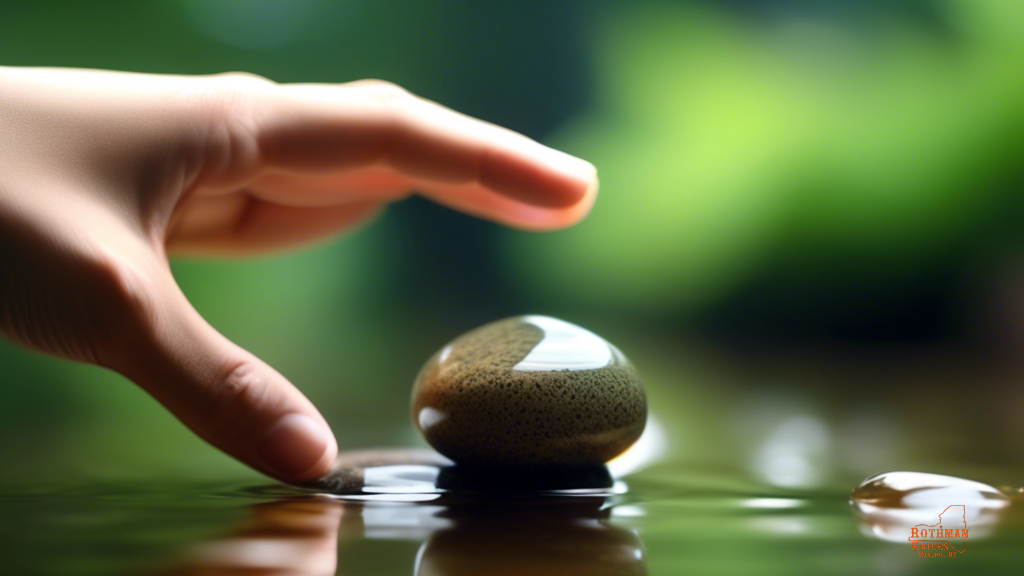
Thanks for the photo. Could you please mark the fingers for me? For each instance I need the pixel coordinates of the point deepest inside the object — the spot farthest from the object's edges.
(226, 395)
(241, 224)
(478, 201)
(324, 131)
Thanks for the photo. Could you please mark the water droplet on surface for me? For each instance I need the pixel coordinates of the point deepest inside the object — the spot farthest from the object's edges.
(920, 489)
(890, 505)
(529, 391)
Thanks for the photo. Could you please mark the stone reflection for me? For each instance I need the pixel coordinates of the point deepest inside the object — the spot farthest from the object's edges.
(564, 536)
(457, 535)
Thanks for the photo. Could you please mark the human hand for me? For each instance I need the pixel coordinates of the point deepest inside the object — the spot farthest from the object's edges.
(103, 174)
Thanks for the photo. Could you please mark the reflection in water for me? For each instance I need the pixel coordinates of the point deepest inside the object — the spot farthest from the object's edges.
(568, 536)
(460, 535)
(889, 505)
(296, 536)
(772, 503)
(791, 452)
(691, 520)
(787, 440)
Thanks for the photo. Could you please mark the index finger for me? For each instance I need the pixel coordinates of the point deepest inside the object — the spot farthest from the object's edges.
(457, 160)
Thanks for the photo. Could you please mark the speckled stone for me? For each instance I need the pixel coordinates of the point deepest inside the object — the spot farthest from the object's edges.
(529, 391)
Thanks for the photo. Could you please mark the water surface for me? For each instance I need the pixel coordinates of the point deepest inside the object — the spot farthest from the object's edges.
(672, 519)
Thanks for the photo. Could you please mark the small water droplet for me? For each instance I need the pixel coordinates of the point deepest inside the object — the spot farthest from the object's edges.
(890, 505)
(917, 489)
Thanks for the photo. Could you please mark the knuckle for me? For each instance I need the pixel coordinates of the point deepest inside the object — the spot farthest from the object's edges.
(243, 78)
(384, 91)
(92, 308)
(123, 310)
(229, 95)
(228, 108)
(84, 302)
(125, 287)
(232, 397)
(392, 102)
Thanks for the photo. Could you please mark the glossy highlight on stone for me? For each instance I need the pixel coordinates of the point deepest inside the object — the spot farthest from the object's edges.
(529, 391)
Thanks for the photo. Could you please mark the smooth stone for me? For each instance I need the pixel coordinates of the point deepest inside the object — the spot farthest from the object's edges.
(529, 391)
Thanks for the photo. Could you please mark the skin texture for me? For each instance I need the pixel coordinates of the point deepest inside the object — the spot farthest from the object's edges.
(105, 174)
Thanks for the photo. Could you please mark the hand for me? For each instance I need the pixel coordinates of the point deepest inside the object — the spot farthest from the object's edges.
(103, 174)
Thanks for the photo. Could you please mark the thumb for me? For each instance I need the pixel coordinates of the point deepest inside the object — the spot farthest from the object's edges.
(226, 395)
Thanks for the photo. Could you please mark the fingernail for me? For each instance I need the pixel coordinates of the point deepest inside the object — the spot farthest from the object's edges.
(576, 167)
(293, 445)
(582, 172)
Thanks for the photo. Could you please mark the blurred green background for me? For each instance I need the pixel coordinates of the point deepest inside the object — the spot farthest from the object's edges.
(806, 236)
